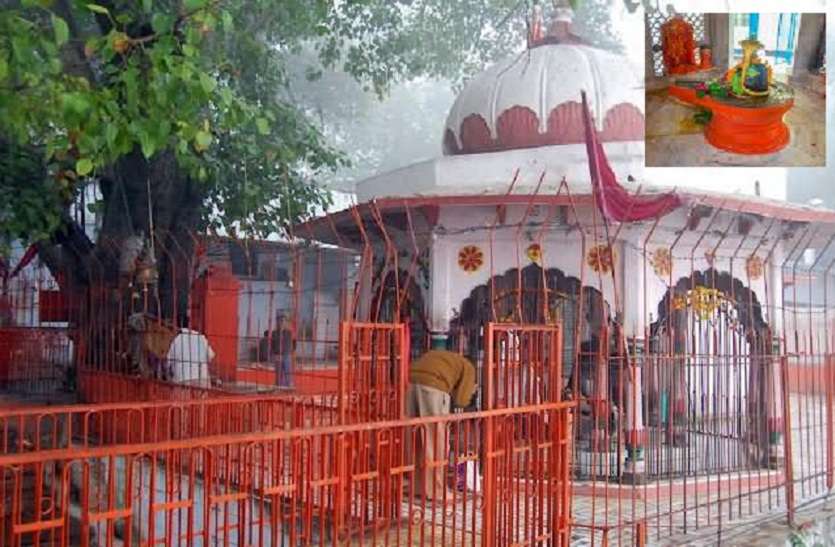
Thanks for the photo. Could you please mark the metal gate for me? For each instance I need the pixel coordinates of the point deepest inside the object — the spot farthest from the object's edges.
(526, 473)
(372, 371)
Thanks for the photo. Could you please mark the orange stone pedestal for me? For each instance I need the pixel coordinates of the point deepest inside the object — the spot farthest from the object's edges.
(742, 129)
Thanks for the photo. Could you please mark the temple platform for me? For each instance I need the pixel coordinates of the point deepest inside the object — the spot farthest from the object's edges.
(674, 139)
(697, 455)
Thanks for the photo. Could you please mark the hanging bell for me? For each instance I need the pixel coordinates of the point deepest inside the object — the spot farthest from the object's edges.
(146, 268)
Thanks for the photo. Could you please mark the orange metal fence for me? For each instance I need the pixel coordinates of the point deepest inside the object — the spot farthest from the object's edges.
(61, 427)
(373, 371)
(704, 385)
(346, 485)
(204, 312)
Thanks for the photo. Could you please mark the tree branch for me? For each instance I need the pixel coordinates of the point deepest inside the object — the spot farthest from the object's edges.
(63, 9)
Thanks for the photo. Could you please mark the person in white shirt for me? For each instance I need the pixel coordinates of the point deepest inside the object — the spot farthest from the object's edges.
(189, 357)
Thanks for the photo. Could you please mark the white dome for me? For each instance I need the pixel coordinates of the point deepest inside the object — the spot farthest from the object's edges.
(533, 99)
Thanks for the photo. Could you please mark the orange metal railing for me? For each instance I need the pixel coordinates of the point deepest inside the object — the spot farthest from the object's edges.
(335, 485)
(32, 429)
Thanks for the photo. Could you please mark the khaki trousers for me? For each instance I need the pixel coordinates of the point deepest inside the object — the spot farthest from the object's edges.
(422, 401)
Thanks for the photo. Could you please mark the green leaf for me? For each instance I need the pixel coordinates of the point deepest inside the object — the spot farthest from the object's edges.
(228, 23)
(209, 84)
(98, 9)
(75, 103)
(147, 6)
(202, 140)
(162, 24)
(4, 67)
(84, 166)
(147, 143)
(263, 125)
(192, 5)
(110, 134)
(62, 31)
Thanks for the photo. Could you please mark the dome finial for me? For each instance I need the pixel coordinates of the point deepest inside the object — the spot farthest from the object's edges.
(558, 29)
(562, 17)
(563, 12)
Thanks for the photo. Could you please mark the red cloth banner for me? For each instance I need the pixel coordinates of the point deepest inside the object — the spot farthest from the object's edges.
(613, 200)
(28, 257)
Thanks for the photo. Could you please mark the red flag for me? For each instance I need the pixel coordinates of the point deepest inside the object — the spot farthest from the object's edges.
(612, 199)
(28, 257)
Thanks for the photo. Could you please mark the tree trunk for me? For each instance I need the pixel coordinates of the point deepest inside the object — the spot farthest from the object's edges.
(153, 202)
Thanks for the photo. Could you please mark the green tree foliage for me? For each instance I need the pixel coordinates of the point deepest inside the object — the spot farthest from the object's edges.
(185, 104)
(116, 89)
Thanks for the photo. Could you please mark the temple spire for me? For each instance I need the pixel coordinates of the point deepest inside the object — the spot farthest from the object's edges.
(557, 28)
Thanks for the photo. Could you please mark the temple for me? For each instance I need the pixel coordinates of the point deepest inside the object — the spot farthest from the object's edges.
(756, 108)
(654, 363)
(671, 324)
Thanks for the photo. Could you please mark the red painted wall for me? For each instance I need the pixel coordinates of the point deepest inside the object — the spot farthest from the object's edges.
(215, 314)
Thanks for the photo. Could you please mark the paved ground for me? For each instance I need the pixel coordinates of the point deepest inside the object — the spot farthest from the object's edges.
(726, 508)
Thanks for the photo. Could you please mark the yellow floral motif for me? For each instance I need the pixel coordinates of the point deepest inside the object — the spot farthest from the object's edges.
(662, 262)
(704, 301)
(534, 252)
(470, 258)
(754, 267)
(601, 258)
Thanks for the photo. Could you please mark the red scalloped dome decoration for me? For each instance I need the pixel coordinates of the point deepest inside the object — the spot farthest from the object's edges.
(533, 99)
(565, 124)
(450, 143)
(623, 123)
(476, 134)
(518, 127)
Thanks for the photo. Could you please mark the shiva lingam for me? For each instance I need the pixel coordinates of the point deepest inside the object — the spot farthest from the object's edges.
(753, 76)
(745, 108)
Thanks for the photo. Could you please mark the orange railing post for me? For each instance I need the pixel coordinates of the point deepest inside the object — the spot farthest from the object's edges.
(830, 448)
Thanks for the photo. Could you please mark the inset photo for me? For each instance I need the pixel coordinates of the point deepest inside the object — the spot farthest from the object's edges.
(735, 89)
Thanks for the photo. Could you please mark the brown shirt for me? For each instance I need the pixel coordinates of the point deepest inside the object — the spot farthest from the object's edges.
(446, 371)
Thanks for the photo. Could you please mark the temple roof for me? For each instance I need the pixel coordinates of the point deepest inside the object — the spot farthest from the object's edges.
(343, 227)
(533, 99)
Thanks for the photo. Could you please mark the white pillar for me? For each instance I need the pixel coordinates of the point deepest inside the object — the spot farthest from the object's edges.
(632, 292)
(440, 263)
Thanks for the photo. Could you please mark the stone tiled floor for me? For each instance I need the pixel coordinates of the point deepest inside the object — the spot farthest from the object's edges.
(731, 512)
(673, 140)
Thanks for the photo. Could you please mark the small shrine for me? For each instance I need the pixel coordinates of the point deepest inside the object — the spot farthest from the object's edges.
(680, 52)
(744, 106)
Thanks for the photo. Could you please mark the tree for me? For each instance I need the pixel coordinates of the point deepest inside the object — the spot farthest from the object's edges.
(179, 110)
(190, 93)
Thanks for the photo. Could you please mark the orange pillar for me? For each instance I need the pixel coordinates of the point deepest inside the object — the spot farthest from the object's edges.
(214, 312)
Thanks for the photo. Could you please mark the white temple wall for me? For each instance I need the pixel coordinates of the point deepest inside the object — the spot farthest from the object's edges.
(462, 226)
(640, 285)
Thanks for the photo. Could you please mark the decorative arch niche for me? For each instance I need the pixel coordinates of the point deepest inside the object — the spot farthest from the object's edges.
(533, 296)
(712, 376)
(412, 307)
(745, 299)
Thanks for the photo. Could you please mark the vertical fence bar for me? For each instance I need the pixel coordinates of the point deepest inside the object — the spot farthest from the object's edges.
(787, 442)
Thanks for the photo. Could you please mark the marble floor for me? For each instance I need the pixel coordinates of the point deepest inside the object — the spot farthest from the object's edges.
(673, 139)
(747, 507)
